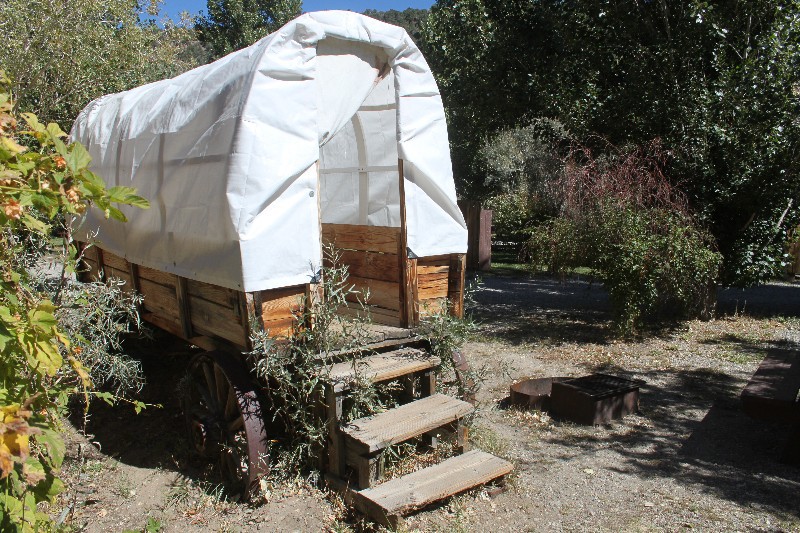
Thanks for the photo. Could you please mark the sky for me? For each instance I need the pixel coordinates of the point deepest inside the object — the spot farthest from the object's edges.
(173, 7)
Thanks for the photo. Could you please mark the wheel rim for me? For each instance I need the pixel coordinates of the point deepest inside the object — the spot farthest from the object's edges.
(225, 421)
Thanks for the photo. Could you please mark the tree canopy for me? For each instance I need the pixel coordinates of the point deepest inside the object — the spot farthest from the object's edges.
(717, 83)
(61, 55)
(234, 24)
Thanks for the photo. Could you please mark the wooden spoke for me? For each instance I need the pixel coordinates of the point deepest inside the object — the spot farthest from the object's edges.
(225, 421)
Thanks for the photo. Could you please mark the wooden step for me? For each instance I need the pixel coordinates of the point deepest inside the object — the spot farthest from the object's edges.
(369, 435)
(381, 367)
(388, 502)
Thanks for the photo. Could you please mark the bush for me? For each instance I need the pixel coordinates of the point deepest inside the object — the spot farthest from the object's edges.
(522, 164)
(293, 369)
(42, 180)
(622, 218)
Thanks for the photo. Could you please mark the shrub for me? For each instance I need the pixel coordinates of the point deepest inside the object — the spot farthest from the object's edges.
(522, 164)
(622, 218)
(292, 369)
(40, 183)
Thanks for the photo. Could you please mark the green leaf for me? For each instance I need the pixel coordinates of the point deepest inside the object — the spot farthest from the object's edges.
(116, 214)
(54, 443)
(35, 225)
(33, 122)
(55, 132)
(105, 396)
(77, 158)
(42, 317)
(127, 195)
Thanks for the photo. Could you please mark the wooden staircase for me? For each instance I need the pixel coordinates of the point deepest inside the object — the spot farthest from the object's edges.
(354, 463)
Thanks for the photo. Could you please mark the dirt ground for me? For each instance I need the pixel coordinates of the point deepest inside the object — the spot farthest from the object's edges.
(689, 460)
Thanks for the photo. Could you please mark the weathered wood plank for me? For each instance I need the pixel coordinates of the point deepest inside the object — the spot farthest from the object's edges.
(278, 304)
(771, 393)
(114, 261)
(368, 435)
(373, 265)
(369, 238)
(379, 315)
(214, 319)
(282, 327)
(380, 367)
(213, 293)
(455, 291)
(409, 293)
(381, 293)
(173, 327)
(119, 274)
(157, 276)
(423, 487)
(432, 286)
(184, 309)
(159, 299)
(90, 253)
(436, 264)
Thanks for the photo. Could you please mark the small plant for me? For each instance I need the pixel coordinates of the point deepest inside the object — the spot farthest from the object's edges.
(447, 335)
(293, 370)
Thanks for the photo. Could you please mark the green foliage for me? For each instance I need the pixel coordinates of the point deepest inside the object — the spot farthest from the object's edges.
(61, 55)
(719, 84)
(292, 370)
(522, 164)
(39, 366)
(96, 317)
(652, 262)
(447, 335)
(409, 19)
(620, 217)
(234, 24)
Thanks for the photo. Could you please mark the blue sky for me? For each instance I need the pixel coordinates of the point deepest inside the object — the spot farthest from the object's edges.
(173, 7)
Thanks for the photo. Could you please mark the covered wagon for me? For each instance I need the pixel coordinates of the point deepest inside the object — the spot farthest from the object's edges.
(330, 130)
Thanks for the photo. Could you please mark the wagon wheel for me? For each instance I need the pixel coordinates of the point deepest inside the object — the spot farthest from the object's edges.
(225, 421)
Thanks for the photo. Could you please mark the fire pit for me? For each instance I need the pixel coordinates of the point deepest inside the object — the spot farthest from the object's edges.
(594, 399)
(533, 393)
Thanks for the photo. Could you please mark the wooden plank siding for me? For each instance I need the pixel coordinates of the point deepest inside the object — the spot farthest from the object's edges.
(432, 283)
(199, 312)
(373, 256)
(401, 290)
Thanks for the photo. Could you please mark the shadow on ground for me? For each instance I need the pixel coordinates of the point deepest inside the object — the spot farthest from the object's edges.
(526, 308)
(155, 437)
(726, 453)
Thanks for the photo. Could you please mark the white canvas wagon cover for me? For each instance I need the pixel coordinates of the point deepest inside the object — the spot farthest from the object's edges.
(243, 158)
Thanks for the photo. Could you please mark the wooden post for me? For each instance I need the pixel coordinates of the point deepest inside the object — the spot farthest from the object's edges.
(336, 451)
(101, 267)
(409, 311)
(479, 235)
(455, 284)
(182, 293)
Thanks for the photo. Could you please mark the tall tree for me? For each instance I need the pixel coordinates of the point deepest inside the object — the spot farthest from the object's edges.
(719, 83)
(409, 19)
(61, 55)
(234, 24)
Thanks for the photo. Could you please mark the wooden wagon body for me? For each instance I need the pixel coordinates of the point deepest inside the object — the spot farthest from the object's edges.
(401, 290)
